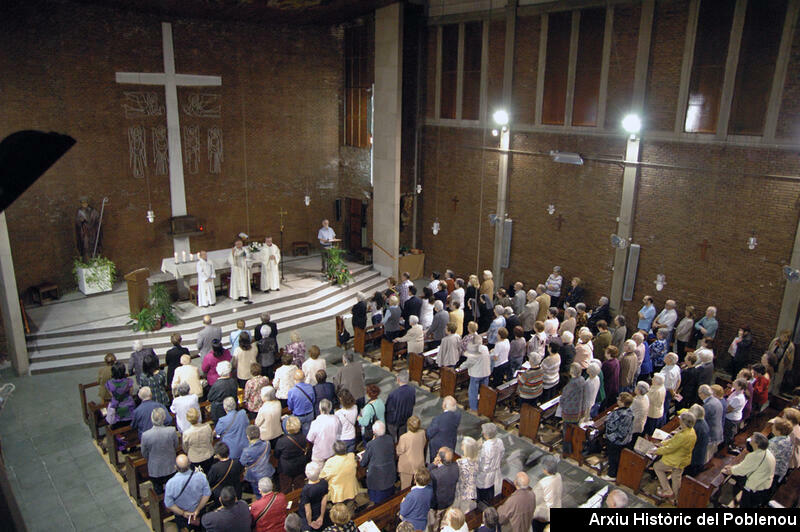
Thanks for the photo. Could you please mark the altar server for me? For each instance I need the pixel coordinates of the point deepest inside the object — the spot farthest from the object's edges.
(240, 273)
(206, 295)
(270, 272)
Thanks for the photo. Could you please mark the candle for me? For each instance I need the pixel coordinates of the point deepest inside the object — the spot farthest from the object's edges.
(176, 257)
(184, 256)
(191, 257)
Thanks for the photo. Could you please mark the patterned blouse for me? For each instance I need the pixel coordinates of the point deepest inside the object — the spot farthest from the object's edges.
(467, 474)
(158, 386)
(298, 352)
(490, 460)
(781, 447)
(619, 426)
(252, 392)
(121, 406)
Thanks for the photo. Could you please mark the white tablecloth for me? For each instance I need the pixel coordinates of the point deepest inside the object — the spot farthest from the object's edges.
(219, 258)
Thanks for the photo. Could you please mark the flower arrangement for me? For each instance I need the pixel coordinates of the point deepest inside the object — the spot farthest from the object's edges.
(254, 247)
(338, 272)
(94, 275)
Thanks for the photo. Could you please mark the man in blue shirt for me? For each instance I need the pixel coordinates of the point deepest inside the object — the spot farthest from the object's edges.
(325, 235)
(301, 401)
(646, 315)
(141, 415)
(417, 503)
(708, 324)
(186, 493)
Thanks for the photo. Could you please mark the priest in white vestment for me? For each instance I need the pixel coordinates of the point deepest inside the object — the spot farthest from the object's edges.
(240, 273)
(270, 271)
(206, 294)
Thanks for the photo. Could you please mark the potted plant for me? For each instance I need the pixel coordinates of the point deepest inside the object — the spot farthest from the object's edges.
(338, 272)
(161, 303)
(160, 311)
(95, 275)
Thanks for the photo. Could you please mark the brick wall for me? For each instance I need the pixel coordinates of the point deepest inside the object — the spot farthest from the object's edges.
(664, 72)
(730, 197)
(280, 117)
(789, 117)
(622, 62)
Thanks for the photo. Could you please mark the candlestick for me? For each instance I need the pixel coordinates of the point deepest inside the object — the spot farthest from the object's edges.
(176, 257)
(184, 256)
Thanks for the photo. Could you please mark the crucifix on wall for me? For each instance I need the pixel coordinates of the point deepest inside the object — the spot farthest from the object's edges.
(455, 201)
(171, 81)
(704, 245)
(559, 220)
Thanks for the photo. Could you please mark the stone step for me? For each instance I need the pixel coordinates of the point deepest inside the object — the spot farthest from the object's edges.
(365, 281)
(119, 323)
(343, 300)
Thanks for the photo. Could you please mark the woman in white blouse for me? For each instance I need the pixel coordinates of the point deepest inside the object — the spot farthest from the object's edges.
(347, 416)
(284, 378)
(268, 419)
(640, 407)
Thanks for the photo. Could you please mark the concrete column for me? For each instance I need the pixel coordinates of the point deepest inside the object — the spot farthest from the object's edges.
(625, 222)
(791, 292)
(9, 304)
(386, 137)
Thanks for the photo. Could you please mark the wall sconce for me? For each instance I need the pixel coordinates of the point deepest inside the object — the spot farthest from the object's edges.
(436, 226)
(752, 242)
(307, 200)
(551, 209)
(661, 281)
(151, 216)
(419, 189)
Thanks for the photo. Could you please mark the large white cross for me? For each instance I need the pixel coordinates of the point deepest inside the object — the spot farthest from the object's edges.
(170, 80)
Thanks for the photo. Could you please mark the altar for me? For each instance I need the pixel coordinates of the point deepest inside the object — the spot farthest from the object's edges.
(183, 272)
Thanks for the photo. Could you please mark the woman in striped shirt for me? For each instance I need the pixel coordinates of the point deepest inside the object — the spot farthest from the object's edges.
(550, 366)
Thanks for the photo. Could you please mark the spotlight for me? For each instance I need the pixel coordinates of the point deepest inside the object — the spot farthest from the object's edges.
(551, 209)
(752, 242)
(500, 117)
(419, 189)
(495, 132)
(151, 216)
(436, 227)
(307, 200)
(661, 281)
(632, 124)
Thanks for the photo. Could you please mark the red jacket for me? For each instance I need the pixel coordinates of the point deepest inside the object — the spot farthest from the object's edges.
(273, 519)
(761, 390)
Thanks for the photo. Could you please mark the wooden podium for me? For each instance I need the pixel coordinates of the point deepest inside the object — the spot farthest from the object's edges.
(138, 289)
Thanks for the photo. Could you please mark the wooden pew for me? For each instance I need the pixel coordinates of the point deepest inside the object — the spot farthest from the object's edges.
(531, 418)
(789, 492)
(417, 362)
(386, 515)
(578, 435)
(475, 517)
(489, 398)
(339, 330)
(92, 412)
(136, 475)
(452, 379)
(632, 465)
(362, 336)
(158, 512)
(132, 440)
(389, 350)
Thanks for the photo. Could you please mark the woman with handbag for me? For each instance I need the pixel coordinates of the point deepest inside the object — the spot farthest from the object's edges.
(291, 452)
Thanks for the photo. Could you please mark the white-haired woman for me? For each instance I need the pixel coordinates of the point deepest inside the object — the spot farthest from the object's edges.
(590, 398)
(268, 419)
(415, 337)
(313, 498)
(487, 286)
(640, 407)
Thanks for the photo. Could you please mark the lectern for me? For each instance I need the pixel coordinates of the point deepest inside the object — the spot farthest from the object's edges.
(138, 289)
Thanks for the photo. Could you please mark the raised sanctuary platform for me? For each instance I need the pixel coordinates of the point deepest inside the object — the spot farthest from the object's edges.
(78, 331)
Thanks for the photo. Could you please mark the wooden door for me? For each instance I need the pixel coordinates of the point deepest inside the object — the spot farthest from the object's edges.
(353, 224)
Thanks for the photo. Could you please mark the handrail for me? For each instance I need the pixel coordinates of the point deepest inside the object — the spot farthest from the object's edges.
(384, 250)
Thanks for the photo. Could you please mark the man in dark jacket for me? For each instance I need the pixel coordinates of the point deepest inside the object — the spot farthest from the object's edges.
(400, 406)
(601, 312)
(700, 451)
(360, 312)
(412, 306)
(444, 477)
(443, 430)
(438, 327)
(378, 459)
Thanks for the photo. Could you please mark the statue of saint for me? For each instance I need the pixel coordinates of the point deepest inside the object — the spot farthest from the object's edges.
(87, 229)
